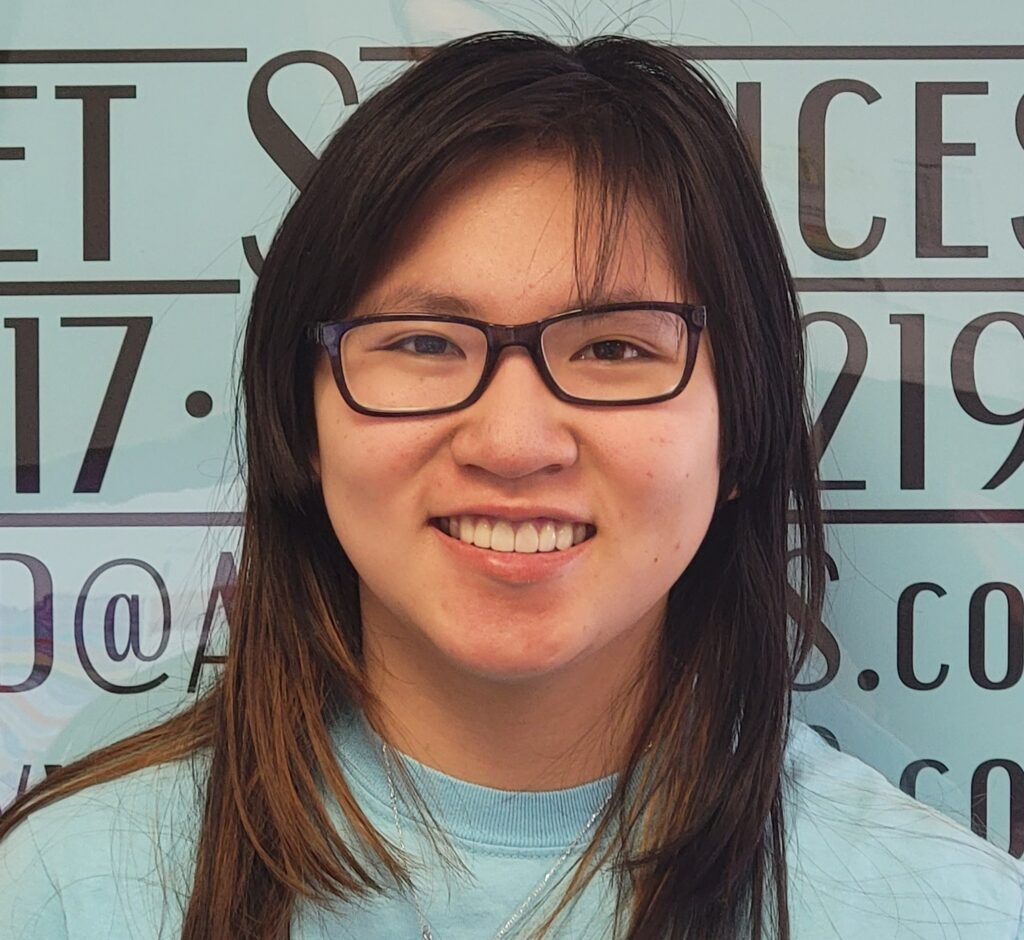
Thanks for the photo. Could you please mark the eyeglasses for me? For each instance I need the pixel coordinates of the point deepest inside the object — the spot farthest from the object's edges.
(392, 365)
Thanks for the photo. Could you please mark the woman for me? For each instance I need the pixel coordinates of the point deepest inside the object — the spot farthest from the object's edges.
(509, 652)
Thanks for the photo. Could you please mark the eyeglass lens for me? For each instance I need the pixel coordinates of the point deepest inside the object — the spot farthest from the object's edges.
(621, 355)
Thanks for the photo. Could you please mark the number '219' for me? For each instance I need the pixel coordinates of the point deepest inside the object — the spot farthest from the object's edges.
(965, 387)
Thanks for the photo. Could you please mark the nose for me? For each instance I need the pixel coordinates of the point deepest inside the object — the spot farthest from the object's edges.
(517, 427)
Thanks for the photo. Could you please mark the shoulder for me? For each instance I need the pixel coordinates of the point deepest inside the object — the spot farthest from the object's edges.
(863, 855)
(149, 800)
(92, 862)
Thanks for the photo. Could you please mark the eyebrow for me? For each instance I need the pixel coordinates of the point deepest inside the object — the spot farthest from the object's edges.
(420, 300)
(415, 299)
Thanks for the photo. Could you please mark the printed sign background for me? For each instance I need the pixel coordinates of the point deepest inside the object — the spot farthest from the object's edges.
(148, 152)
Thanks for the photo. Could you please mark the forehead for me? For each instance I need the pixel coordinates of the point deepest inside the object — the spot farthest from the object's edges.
(515, 234)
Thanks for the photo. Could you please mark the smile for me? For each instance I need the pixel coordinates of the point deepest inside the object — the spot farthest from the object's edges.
(525, 538)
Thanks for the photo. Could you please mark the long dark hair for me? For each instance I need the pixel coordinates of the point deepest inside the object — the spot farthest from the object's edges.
(702, 854)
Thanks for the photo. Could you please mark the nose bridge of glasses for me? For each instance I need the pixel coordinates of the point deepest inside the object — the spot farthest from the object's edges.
(499, 337)
(524, 335)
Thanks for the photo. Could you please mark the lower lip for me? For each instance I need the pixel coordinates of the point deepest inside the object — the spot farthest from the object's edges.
(512, 567)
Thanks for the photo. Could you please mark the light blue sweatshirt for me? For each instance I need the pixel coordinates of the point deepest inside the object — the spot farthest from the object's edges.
(866, 862)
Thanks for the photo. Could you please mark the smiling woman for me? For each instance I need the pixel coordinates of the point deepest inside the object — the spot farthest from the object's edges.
(509, 650)
(578, 621)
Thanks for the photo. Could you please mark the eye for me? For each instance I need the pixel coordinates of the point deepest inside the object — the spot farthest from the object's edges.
(612, 350)
(426, 345)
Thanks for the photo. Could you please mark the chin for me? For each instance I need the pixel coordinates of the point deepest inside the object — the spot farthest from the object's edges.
(508, 666)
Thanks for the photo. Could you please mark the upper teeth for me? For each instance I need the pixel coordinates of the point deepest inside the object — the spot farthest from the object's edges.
(534, 535)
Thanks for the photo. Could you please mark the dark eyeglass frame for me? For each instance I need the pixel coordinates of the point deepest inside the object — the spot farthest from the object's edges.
(328, 334)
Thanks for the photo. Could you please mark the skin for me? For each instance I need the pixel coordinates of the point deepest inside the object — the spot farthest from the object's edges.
(522, 686)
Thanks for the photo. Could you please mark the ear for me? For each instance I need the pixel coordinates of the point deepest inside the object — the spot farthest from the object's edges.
(733, 495)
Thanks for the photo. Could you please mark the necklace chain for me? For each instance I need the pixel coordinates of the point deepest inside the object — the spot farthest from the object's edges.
(425, 932)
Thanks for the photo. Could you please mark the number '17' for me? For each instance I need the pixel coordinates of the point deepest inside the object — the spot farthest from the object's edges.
(108, 421)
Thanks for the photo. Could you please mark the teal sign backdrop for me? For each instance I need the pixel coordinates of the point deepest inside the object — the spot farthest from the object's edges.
(146, 156)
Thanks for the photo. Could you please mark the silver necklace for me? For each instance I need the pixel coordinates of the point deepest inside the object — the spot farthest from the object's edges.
(425, 932)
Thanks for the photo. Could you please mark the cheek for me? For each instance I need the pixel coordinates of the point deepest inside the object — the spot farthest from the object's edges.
(371, 477)
(356, 453)
(669, 483)
(361, 470)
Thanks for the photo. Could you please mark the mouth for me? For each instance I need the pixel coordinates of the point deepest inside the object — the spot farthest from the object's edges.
(532, 536)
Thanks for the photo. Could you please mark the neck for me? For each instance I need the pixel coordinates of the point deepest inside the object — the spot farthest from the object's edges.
(550, 732)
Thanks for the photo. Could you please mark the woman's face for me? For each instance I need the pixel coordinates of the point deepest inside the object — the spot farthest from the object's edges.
(644, 477)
